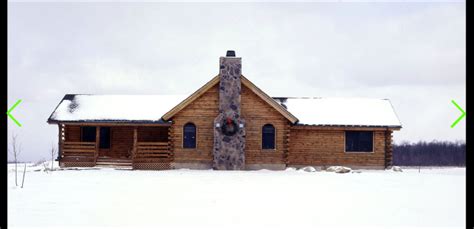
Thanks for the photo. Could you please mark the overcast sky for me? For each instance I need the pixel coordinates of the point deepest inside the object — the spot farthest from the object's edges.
(411, 53)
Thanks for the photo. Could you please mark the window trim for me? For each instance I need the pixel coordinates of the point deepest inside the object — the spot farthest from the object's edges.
(196, 136)
(362, 152)
(274, 138)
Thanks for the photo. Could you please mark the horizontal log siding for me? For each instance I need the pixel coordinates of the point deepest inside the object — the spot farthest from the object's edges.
(257, 113)
(201, 112)
(121, 143)
(388, 148)
(72, 133)
(326, 148)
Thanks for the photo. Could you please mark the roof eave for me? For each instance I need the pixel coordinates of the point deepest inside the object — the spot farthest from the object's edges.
(394, 127)
(190, 98)
(244, 81)
(277, 106)
(50, 121)
(111, 122)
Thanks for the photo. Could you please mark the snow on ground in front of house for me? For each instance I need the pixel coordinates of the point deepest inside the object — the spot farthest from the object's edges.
(105, 197)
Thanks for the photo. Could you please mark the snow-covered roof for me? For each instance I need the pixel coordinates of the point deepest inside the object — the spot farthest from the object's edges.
(151, 108)
(341, 111)
(114, 108)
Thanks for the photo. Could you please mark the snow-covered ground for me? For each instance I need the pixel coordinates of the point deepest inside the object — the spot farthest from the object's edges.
(88, 198)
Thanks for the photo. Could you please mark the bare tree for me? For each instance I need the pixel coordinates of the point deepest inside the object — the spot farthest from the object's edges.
(23, 181)
(53, 154)
(15, 151)
(45, 167)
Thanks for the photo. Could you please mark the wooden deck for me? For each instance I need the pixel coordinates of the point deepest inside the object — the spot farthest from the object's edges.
(146, 155)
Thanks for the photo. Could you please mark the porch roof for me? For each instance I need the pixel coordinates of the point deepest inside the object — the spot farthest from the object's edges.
(114, 108)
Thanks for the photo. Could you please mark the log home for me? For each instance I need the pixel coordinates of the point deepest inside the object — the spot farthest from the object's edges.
(227, 124)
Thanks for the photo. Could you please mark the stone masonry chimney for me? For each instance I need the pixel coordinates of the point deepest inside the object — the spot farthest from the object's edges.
(229, 127)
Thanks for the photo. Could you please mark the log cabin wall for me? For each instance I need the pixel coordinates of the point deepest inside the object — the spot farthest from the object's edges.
(201, 112)
(388, 148)
(72, 133)
(121, 142)
(256, 113)
(295, 145)
(322, 148)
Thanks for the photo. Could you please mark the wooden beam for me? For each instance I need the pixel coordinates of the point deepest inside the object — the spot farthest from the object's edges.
(114, 124)
(135, 140)
(60, 141)
(388, 149)
(97, 141)
(66, 143)
(170, 142)
(314, 127)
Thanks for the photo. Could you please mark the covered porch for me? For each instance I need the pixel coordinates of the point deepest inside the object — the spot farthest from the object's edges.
(146, 146)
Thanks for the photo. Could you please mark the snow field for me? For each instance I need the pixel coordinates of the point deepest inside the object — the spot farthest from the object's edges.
(237, 199)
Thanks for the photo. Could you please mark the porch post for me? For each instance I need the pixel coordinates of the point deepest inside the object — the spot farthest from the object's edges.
(388, 148)
(97, 141)
(61, 138)
(135, 139)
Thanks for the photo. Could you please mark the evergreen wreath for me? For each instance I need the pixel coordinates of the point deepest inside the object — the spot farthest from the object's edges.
(229, 127)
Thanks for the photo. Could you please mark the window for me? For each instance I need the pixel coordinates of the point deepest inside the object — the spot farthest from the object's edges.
(359, 141)
(104, 138)
(88, 133)
(189, 136)
(268, 137)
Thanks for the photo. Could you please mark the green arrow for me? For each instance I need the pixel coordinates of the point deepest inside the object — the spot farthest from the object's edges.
(11, 109)
(460, 117)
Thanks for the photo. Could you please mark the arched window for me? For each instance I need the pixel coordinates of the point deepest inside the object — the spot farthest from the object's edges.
(268, 137)
(189, 135)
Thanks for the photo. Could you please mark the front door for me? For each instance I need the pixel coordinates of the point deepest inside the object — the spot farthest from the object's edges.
(104, 142)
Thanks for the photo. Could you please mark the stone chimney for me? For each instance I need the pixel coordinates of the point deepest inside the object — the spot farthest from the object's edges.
(229, 127)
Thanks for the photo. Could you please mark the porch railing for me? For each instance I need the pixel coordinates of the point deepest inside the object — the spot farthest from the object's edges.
(152, 151)
(79, 150)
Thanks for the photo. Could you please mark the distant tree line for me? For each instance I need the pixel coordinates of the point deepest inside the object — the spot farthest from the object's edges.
(434, 153)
